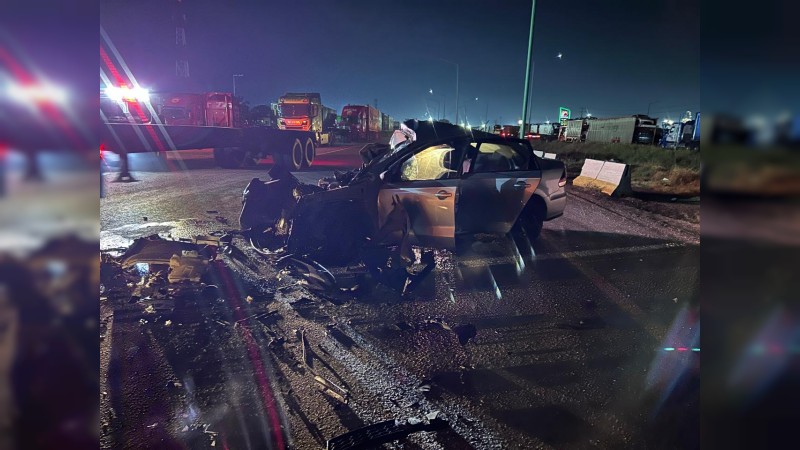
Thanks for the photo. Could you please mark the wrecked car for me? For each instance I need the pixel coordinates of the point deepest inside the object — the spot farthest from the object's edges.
(433, 183)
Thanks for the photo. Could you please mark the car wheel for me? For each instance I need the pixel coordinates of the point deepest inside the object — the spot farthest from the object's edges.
(531, 219)
(309, 153)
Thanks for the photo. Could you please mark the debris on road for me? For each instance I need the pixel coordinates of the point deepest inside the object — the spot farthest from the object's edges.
(374, 435)
(189, 266)
(313, 274)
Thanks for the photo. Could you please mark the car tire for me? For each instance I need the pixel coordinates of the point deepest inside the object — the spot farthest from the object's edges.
(309, 153)
(531, 219)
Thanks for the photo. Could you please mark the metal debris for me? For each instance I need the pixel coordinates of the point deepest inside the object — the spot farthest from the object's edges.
(313, 274)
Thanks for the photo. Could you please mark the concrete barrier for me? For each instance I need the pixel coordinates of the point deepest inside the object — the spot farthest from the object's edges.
(608, 177)
(550, 155)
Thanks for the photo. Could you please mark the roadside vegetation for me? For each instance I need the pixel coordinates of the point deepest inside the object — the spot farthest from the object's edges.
(653, 169)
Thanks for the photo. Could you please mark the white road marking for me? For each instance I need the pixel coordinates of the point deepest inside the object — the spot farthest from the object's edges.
(481, 261)
(336, 150)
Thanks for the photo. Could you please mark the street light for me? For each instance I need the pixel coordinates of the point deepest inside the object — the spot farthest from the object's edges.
(457, 69)
(235, 76)
(444, 105)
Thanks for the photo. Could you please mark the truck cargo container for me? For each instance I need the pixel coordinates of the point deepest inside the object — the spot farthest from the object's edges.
(362, 121)
(638, 129)
(574, 131)
(543, 132)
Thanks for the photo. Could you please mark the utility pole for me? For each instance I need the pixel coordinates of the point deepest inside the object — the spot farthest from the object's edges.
(457, 94)
(527, 72)
(181, 59)
(236, 75)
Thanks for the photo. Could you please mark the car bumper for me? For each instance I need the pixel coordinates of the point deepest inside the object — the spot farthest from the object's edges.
(556, 205)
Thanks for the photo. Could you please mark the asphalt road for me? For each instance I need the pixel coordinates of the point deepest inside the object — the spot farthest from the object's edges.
(587, 337)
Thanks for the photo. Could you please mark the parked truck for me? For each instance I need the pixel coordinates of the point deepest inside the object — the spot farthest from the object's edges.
(574, 130)
(685, 133)
(305, 112)
(185, 121)
(362, 121)
(637, 129)
(212, 109)
(542, 132)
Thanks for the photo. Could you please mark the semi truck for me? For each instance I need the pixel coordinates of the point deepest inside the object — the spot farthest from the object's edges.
(573, 131)
(184, 121)
(543, 132)
(637, 129)
(362, 121)
(212, 109)
(305, 112)
(685, 133)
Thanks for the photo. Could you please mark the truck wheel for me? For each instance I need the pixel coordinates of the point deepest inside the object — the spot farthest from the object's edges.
(309, 153)
(293, 159)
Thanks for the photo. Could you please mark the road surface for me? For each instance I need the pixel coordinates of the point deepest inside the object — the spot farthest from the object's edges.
(587, 337)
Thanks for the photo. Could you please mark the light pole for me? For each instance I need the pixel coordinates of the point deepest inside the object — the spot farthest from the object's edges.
(444, 103)
(527, 71)
(457, 70)
(235, 76)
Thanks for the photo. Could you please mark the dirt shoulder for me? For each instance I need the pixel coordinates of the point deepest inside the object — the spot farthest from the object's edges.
(681, 216)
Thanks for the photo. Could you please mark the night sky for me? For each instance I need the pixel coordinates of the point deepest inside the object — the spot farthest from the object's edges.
(617, 56)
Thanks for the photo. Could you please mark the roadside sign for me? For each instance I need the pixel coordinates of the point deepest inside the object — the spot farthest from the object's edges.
(564, 113)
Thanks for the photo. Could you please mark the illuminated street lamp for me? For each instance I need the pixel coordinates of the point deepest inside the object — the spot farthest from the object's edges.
(519, 122)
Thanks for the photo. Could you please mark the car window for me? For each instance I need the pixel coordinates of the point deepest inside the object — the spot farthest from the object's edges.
(433, 163)
(497, 157)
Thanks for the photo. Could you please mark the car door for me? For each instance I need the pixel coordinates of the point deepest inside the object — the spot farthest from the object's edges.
(423, 186)
(498, 179)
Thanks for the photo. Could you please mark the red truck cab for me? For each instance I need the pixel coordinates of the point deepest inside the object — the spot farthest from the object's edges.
(213, 109)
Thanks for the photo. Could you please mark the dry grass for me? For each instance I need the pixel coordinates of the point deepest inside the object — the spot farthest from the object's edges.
(649, 165)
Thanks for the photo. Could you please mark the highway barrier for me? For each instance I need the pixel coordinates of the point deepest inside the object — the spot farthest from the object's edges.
(550, 155)
(608, 177)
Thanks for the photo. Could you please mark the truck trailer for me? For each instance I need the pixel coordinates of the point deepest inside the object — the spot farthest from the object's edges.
(362, 121)
(574, 131)
(638, 129)
(193, 121)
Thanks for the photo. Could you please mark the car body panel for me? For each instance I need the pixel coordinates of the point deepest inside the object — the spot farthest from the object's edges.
(490, 202)
(430, 205)
(379, 204)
